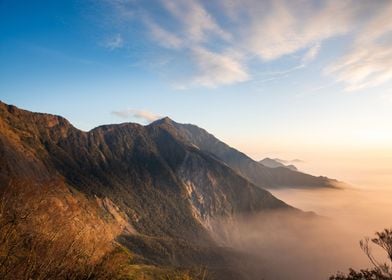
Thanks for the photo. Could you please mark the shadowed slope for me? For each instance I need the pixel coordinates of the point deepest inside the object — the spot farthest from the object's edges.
(255, 172)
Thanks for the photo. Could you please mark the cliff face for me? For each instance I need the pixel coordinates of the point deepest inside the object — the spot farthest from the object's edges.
(150, 179)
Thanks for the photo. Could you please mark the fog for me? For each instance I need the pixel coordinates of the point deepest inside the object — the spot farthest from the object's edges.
(365, 210)
(282, 245)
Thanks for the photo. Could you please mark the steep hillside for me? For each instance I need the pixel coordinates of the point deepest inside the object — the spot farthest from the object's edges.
(255, 172)
(159, 190)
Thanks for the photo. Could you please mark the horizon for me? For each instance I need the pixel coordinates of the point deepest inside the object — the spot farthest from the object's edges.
(317, 86)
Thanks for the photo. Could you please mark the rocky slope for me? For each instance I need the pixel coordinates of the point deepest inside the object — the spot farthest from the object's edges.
(255, 172)
(161, 189)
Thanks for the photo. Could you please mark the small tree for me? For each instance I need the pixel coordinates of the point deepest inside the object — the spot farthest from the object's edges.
(380, 271)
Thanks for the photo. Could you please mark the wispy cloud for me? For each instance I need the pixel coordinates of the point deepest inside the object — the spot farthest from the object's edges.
(311, 53)
(207, 33)
(196, 23)
(282, 73)
(369, 61)
(278, 28)
(162, 36)
(143, 115)
(195, 27)
(218, 68)
(114, 42)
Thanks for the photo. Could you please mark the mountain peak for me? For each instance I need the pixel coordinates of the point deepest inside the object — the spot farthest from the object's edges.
(164, 120)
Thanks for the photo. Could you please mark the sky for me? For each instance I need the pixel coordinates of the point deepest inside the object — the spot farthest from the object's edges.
(289, 79)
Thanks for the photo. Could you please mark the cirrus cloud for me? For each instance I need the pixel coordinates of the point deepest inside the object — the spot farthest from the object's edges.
(206, 34)
(218, 68)
(369, 62)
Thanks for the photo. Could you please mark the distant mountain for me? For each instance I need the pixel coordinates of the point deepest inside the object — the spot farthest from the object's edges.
(160, 186)
(258, 174)
(274, 163)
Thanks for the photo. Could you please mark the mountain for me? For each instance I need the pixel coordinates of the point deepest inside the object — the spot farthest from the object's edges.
(274, 163)
(258, 174)
(154, 191)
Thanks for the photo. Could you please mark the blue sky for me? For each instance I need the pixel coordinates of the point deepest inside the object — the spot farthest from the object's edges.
(279, 78)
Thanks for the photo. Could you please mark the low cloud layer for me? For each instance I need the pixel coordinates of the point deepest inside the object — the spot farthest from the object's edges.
(280, 245)
(145, 116)
(222, 39)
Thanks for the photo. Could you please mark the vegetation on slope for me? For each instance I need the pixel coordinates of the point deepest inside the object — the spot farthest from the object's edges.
(48, 233)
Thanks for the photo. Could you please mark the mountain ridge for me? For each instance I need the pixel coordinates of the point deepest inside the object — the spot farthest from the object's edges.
(260, 175)
(252, 170)
(154, 184)
(274, 163)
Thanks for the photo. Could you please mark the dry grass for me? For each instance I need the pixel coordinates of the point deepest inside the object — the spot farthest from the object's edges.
(48, 233)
